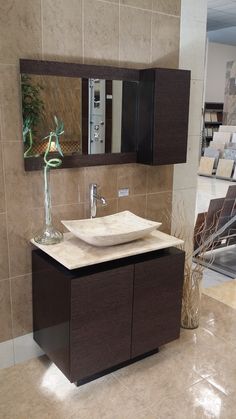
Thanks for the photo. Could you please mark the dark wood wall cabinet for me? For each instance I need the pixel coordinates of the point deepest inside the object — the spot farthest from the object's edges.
(155, 110)
(93, 320)
(163, 116)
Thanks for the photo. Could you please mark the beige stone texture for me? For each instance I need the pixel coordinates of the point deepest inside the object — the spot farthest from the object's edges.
(2, 183)
(5, 311)
(20, 30)
(206, 166)
(172, 7)
(136, 204)
(101, 32)
(62, 34)
(10, 103)
(21, 292)
(143, 4)
(225, 168)
(133, 177)
(159, 178)
(165, 41)
(226, 293)
(75, 253)
(4, 262)
(159, 209)
(135, 36)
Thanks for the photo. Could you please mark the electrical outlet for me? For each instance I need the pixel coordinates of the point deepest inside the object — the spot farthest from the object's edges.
(123, 192)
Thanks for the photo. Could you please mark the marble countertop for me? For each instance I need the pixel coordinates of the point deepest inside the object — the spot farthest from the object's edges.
(74, 253)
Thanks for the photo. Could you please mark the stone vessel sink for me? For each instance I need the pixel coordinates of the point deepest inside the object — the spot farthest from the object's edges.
(122, 227)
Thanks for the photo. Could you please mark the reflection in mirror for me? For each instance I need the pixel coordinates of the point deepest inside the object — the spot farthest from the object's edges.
(99, 115)
(42, 98)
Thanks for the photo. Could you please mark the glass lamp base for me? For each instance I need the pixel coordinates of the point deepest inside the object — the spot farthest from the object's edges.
(49, 236)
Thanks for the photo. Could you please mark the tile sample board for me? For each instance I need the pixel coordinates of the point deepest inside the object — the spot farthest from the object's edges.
(206, 166)
(227, 128)
(225, 168)
(222, 136)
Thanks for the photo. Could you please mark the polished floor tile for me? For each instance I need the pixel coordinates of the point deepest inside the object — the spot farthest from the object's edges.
(192, 377)
(225, 292)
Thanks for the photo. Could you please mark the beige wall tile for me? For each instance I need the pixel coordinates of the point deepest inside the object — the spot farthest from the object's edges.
(135, 204)
(20, 30)
(19, 233)
(135, 36)
(4, 263)
(159, 178)
(62, 30)
(159, 207)
(11, 126)
(106, 179)
(21, 292)
(133, 177)
(2, 186)
(101, 32)
(171, 7)
(103, 210)
(17, 181)
(5, 311)
(67, 186)
(66, 212)
(165, 41)
(143, 4)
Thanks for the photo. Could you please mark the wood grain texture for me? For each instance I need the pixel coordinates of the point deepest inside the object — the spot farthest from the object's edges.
(157, 301)
(83, 318)
(51, 311)
(163, 116)
(101, 314)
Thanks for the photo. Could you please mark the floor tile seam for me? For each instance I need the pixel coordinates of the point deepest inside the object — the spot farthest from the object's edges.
(198, 379)
(177, 393)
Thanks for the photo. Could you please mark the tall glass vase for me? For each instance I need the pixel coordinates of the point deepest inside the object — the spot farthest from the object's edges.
(191, 300)
(49, 235)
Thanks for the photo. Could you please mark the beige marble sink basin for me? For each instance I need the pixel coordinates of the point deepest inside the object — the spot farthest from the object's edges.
(122, 227)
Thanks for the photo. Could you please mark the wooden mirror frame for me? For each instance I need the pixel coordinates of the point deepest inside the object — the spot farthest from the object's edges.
(54, 68)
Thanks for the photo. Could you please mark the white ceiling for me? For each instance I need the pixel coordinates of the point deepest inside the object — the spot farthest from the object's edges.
(221, 21)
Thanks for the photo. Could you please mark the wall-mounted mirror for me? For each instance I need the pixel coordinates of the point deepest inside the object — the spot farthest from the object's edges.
(99, 113)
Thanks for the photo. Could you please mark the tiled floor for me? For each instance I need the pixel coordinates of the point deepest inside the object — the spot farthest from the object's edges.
(224, 292)
(193, 377)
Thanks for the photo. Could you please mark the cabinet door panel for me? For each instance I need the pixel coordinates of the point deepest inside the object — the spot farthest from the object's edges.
(172, 89)
(101, 315)
(157, 302)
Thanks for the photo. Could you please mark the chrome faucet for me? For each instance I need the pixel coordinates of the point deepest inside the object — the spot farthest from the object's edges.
(93, 198)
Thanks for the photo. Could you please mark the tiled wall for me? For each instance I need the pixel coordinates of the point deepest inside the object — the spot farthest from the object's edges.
(132, 33)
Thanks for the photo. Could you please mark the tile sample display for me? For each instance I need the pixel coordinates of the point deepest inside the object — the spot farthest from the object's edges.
(212, 152)
(206, 166)
(222, 136)
(227, 128)
(225, 168)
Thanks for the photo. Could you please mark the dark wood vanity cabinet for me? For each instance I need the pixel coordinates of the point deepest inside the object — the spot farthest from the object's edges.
(92, 320)
(163, 116)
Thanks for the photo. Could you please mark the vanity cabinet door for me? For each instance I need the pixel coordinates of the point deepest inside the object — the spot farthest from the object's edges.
(157, 301)
(101, 315)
